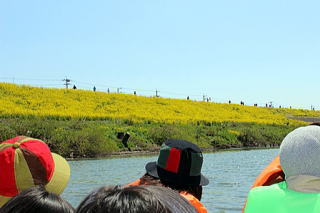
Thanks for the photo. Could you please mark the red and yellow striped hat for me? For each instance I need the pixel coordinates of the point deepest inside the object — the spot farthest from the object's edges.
(26, 162)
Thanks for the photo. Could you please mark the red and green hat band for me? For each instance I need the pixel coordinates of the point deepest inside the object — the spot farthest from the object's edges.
(183, 162)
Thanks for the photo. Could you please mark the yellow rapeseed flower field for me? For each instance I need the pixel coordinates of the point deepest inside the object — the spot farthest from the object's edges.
(61, 103)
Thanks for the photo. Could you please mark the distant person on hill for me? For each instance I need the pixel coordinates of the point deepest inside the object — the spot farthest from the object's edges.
(26, 162)
(300, 190)
(94, 88)
(134, 199)
(74, 87)
(179, 168)
(37, 200)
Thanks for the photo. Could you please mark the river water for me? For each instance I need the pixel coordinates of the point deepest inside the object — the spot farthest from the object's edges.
(231, 174)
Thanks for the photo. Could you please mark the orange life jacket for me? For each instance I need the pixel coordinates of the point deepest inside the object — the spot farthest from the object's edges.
(192, 199)
(270, 175)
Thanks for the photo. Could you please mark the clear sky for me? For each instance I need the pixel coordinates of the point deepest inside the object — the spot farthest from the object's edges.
(249, 50)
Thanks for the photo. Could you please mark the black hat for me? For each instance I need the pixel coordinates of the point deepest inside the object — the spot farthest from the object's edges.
(180, 163)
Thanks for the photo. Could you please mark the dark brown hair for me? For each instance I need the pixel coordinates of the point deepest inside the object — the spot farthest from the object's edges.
(135, 199)
(37, 200)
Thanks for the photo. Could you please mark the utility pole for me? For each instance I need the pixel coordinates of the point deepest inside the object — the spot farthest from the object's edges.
(271, 104)
(67, 82)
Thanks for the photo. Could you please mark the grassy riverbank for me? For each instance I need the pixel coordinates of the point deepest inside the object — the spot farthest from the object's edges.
(87, 124)
(85, 138)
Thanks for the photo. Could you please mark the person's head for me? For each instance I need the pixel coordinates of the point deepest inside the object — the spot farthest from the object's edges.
(178, 165)
(147, 179)
(134, 199)
(315, 124)
(26, 162)
(37, 200)
(300, 152)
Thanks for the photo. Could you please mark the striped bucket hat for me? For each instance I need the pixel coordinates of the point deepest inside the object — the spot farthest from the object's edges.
(179, 163)
(26, 162)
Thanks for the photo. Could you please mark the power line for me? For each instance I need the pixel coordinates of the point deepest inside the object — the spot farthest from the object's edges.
(67, 82)
(28, 79)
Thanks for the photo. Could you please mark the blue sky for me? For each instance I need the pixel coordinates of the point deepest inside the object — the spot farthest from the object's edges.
(254, 51)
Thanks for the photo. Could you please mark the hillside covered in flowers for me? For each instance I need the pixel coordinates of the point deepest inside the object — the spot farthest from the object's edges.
(78, 123)
(61, 103)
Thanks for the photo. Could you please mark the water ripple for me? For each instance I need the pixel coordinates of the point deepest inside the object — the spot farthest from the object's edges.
(230, 173)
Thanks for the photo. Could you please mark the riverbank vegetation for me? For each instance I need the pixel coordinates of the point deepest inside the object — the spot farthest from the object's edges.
(79, 123)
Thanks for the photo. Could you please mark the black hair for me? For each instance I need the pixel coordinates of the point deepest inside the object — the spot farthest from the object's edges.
(134, 199)
(196, 191)
(37, 200)
(315, 124)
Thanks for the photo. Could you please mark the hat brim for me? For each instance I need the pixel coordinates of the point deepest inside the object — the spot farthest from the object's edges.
(60, 176)
(152, 170)
(4, 200)
(204, 180)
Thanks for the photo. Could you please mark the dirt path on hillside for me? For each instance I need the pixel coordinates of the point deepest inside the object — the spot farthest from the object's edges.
(305, 118)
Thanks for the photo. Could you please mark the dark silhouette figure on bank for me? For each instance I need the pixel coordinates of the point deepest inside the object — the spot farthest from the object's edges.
(74, 87)
(94, 88)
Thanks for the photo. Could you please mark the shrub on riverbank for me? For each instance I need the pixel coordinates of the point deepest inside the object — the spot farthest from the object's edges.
(263, 136)
(85, 123)
(83, 138)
